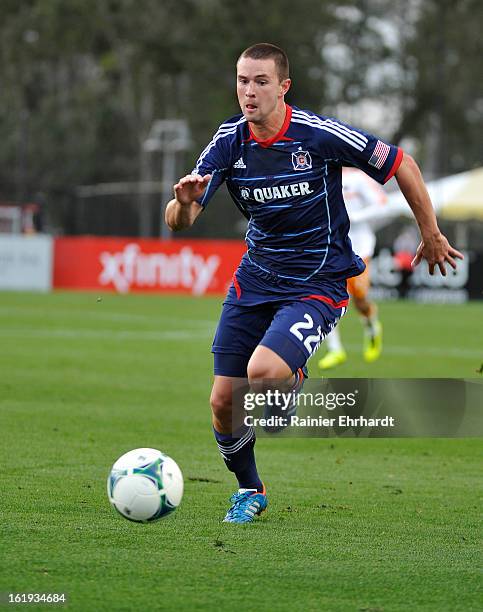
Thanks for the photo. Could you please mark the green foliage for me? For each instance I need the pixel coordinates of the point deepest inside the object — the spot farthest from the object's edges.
(447, 96)
(81, 81)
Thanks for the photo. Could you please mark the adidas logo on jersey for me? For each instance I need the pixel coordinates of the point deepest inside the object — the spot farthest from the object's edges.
(239, 164)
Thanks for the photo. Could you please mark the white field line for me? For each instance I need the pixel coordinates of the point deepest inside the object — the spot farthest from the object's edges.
(208, 331)
(114, 316)
(105, 334)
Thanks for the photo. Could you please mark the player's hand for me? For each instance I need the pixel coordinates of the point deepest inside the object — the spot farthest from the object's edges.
(436, 250)
(190, 187)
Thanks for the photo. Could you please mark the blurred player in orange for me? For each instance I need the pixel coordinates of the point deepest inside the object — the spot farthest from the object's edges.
(364, 199)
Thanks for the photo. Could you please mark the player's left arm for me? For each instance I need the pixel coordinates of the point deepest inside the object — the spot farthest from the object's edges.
(434, 246)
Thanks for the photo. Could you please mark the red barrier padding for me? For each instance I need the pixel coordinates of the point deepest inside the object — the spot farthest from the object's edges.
(196, 267)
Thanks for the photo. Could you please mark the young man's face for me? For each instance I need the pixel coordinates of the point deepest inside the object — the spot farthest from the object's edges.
(259, 88)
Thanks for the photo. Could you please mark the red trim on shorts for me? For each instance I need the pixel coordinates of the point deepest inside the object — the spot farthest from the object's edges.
(396, 164)
(236, 284)
(281, 134)
(327, 300)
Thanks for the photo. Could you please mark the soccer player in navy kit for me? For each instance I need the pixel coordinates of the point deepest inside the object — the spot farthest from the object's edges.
(282, 167)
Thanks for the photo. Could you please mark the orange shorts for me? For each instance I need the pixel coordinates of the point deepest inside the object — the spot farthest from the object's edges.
(358, 286)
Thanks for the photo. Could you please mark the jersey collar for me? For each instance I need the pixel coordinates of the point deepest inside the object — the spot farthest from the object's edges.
(280, 136)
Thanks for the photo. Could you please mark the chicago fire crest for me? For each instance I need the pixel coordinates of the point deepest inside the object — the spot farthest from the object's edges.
(301, 160)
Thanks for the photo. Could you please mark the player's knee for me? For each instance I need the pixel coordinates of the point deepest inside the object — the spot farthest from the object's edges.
(221, 403)
(258, 371)
(266, 365)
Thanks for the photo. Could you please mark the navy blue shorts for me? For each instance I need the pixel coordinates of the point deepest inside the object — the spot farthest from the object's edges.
(292, 329)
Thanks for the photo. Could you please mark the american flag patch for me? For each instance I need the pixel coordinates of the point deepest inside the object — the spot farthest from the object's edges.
(379, 155)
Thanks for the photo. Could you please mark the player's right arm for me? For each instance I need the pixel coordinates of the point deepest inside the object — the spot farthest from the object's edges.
(183, 209)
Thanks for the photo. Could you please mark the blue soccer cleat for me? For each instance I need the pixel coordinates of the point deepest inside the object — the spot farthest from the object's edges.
(246, 504)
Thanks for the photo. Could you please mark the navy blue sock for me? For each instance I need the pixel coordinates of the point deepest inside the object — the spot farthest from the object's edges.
(239, 457)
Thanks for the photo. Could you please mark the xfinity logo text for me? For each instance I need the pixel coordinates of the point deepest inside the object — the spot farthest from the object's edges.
(130, 268)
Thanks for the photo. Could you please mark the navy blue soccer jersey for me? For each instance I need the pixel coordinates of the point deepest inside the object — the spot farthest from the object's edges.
(290, 189)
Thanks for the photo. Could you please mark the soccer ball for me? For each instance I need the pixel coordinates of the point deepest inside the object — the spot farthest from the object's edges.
(144, 485)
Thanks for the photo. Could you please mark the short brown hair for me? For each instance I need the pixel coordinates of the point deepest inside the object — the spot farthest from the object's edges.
(262, 51)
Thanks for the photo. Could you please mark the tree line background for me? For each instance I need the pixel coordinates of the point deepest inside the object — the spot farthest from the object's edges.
(82, 81)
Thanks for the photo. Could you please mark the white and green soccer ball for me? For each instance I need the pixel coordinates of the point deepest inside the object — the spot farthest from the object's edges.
(144, 485)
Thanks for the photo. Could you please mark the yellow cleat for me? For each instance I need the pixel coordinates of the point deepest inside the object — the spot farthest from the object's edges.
(373, 343)
(333, 359)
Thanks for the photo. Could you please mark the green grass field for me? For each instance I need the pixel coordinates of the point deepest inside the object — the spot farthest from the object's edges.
(374, 525)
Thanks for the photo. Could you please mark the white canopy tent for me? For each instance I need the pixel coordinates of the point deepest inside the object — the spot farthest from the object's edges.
(458, 197)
